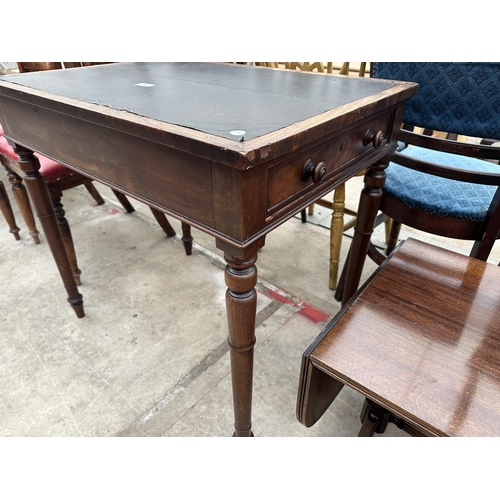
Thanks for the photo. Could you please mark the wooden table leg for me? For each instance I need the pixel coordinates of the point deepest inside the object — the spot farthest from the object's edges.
(241, 307)
(369, 203)
(42, 203)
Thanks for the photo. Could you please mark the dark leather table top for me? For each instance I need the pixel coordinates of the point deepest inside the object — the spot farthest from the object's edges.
(213, 98)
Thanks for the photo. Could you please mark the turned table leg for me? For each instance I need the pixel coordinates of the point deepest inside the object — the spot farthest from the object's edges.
(241, 306)
(369, 203)
(42, 203)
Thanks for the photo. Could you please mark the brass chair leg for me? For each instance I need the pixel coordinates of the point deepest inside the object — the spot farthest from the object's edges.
(388, 226)
(393, 236)
(336, 231)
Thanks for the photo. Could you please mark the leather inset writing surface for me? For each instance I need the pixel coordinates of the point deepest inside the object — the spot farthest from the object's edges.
(212, 98)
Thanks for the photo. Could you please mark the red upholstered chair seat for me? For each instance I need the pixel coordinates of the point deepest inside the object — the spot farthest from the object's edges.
(51, 170)
(7, 149)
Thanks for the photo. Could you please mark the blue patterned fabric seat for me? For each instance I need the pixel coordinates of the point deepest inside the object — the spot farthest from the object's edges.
(438, 195)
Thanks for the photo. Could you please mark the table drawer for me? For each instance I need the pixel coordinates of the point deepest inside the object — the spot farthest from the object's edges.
(294, 178)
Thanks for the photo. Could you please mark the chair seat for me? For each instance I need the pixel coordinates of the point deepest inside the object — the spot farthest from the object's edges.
(7, 149)
(51, 169)
(438, 195)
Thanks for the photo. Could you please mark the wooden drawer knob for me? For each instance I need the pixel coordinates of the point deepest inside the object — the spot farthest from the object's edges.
(317, 172)
(377, 138)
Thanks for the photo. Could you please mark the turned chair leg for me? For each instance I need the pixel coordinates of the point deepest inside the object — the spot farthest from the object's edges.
(124, 201)
(161, 218)
(22, 200)
(187, 239)
(56, 195)
(93, 192)
(392, 240)
(6, 209)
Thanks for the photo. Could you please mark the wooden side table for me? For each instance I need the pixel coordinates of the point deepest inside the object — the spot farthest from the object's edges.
(420, 340)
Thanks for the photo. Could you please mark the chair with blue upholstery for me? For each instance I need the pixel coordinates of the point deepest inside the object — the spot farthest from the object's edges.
(442, 186)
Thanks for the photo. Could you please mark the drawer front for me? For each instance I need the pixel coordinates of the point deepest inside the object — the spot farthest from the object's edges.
(292, 179)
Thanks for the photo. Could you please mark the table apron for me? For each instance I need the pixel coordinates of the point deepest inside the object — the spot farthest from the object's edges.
(236, 206)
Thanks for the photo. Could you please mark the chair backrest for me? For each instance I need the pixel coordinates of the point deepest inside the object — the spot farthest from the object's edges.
(27, 67)
(344, 68)
(347, 69)
(306, 66)
(91, 63)
(459, 98)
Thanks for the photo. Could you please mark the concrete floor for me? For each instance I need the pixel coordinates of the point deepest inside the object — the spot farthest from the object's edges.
(150, 357)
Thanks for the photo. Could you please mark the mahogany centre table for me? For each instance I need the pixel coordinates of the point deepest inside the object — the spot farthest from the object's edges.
(233, 150)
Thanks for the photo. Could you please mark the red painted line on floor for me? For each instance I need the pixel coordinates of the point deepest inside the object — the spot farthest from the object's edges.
(308, 310)
(112, 210)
